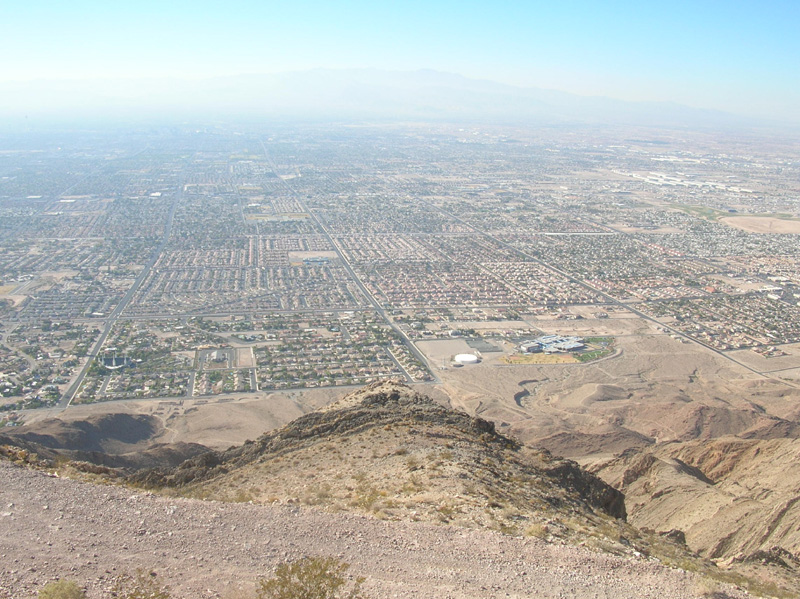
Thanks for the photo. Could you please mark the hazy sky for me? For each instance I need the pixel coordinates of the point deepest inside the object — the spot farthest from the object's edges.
(736, 55)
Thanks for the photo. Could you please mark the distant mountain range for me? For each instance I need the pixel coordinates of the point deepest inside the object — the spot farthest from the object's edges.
(342, 95)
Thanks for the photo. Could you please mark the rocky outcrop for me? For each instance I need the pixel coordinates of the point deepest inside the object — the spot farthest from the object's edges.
(386, 406)
(736, 500)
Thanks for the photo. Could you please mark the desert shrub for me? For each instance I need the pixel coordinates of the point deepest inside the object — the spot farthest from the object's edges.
(707, 587)
(63, 589)
(142, 585)
(310, 578)
(538, 530)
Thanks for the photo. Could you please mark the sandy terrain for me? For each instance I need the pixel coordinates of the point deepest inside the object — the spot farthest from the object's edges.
(665, 383)
(628, 325)
(762, 224)
(443, 350)
(776, 363)
(790, 374)
(61, 528)
(215, 422)
(245, 357)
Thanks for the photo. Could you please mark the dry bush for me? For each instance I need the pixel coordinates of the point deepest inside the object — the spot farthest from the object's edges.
(538, 530)
(142, 585)
(311, 578)
(63, 589)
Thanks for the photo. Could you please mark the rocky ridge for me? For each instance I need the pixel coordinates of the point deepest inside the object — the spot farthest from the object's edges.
(394, 453)
(734, 499)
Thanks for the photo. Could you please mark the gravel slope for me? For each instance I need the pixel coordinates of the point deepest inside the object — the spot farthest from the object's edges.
(52, 527)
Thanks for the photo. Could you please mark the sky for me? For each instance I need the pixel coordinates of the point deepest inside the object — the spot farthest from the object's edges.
(740, 56)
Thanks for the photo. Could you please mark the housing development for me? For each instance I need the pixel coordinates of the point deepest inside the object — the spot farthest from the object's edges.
(186, 263)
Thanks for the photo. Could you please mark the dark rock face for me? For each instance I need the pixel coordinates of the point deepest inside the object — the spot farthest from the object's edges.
(592, 490)
(112, 441)
(108, 433)
(675, 535)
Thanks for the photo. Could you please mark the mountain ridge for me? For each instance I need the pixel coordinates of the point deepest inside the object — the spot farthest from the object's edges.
(407, 433)
(344, 95)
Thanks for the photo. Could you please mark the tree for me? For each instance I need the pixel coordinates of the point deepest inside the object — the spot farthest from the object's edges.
(311, 578)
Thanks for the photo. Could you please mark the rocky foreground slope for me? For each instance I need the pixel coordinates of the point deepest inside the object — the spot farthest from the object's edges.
(51, 527)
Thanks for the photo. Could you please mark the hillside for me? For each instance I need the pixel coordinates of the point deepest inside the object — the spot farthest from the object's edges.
(394, 453)
(423, 500)
(55, 527)
(121, 440)
(735, 499)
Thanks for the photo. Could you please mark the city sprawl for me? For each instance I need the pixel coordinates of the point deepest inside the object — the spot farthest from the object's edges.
(188, 263)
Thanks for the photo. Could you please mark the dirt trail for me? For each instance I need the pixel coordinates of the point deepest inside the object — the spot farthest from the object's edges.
(53, 527)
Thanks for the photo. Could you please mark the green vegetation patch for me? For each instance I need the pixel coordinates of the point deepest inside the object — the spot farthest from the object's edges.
(597, 347)
(702, 211)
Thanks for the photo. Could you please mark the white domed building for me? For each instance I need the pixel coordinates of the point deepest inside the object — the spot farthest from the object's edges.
(464, 359)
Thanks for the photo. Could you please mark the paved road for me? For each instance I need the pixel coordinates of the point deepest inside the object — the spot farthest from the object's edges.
(67, 398)
(376, 306)
(253, 379)
(609, 298)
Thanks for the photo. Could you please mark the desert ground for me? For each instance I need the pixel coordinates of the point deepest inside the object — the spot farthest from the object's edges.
(217, 422)
(653, 386)
(763, 224)
(777, 365)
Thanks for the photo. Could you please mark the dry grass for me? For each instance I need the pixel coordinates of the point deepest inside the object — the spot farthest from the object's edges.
(539, 359)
